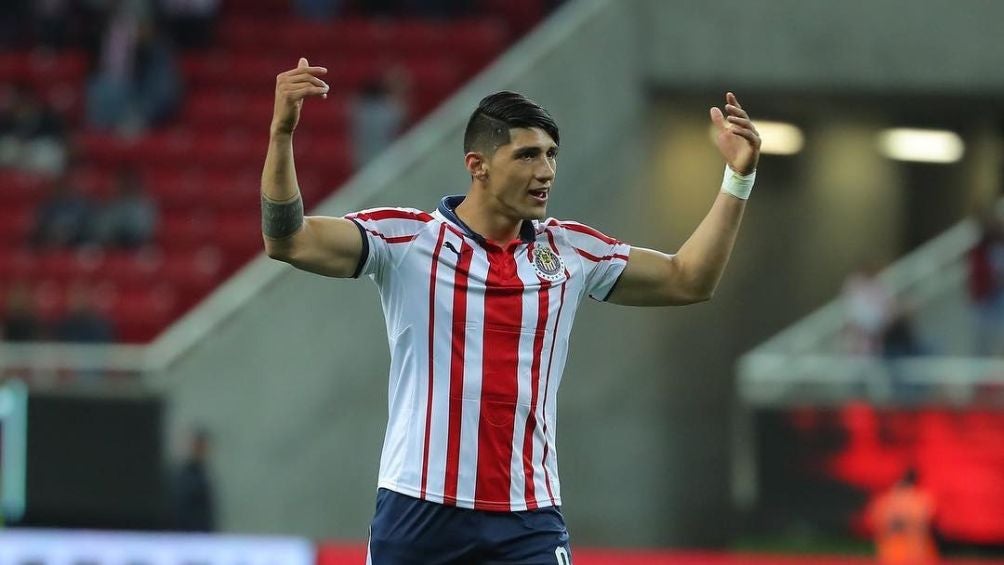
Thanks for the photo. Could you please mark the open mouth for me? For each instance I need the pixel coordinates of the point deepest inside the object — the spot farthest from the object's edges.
(539, 195)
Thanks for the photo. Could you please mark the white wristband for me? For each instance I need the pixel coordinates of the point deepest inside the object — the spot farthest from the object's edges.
(738, 185)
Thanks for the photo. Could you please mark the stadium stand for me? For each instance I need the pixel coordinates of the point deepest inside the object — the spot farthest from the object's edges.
(202, 168)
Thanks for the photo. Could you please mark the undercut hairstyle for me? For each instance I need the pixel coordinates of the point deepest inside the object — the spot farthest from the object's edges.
(488, 128)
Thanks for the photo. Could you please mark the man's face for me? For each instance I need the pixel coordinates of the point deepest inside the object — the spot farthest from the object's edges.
(520, 174)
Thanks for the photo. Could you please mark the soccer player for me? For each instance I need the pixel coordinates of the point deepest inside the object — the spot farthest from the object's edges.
(479, 296)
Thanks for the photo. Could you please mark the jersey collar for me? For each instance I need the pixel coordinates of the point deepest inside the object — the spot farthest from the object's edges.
(448, 208)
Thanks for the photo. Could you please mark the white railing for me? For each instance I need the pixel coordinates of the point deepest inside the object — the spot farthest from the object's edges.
(804, 362)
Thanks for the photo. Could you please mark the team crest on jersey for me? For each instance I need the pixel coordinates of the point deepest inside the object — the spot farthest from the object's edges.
(548, 264)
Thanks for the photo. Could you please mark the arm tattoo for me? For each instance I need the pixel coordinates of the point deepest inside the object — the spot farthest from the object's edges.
(281, 220)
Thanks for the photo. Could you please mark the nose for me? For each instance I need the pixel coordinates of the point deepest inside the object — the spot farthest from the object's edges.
(545, 172)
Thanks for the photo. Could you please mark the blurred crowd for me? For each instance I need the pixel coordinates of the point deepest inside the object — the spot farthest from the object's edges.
(133, 79)
(878, 323)
(133, 85)
(986, 285)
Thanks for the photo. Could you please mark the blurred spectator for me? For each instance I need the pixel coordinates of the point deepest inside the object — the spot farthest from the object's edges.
(66, 218)
(192, 490)
(129, 218)
(900, 338)
(519, 15)
(870, 310)
(901, 520)
(32, 135)
(83, 323)
(191, 22)
(378, 115)
(438, 8)
(380, 7)
(51, 20)
(419, 8)
(137, 84)
(20, 322)
(318, 10)
(986, 285)
(12, 18)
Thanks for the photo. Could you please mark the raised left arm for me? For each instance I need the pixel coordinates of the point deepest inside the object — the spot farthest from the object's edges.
(652, 278)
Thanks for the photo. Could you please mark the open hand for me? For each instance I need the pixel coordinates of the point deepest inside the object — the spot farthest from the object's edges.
(291, 87)
(736, 136)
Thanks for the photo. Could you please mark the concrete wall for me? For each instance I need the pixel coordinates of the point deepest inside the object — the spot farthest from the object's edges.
(947, 46)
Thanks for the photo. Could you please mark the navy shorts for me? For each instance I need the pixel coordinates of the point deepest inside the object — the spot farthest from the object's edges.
(409, 531)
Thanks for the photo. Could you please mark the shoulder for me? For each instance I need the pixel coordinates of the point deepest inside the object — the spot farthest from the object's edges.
(389, 214)
(587, 242)
(394, 222)
(578, 235)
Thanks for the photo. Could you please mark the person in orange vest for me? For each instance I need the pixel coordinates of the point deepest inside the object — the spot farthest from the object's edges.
(901, 519)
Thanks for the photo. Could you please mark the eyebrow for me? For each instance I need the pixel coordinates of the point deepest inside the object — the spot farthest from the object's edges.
(534, 149)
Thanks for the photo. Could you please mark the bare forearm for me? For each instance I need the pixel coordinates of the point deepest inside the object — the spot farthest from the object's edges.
(705, 254)
(281, 205)
(278, 178)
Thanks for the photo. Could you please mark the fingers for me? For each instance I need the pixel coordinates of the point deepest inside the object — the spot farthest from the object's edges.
(304, 70)
(299, 93)
(741, 122)
(717, 118)
(302, 81)
(305, 79)
(748, 134)
(738, 121)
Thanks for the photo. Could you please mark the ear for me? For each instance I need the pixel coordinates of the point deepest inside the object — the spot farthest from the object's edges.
(476, 165)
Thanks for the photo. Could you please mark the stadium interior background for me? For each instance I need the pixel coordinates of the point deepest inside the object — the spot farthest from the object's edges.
(152, 358)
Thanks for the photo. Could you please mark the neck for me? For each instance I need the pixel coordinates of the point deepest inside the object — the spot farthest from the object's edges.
(478, 213)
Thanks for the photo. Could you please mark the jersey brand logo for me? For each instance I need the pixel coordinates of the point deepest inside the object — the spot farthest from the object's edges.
(548, 264)
(450, 246)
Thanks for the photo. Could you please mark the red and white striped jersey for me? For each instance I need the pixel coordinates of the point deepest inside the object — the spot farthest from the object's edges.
(478, 338)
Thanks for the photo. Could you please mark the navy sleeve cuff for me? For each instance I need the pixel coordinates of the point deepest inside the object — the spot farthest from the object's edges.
(364, 255)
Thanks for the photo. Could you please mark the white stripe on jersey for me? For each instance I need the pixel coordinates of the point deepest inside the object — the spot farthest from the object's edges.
(473, 359)
(524, 396)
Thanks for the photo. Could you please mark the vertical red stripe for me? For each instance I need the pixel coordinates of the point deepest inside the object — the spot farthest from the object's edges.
(531, 419)
(457, 372)
(499, 387)
(432, 325)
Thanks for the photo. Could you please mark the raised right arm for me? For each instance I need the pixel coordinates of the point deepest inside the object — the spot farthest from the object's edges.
(319, 244)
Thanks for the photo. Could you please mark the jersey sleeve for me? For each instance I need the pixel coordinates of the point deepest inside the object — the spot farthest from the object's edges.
(386, 234)
(603, 257)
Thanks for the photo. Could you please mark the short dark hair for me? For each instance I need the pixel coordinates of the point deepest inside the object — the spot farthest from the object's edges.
(488, 128)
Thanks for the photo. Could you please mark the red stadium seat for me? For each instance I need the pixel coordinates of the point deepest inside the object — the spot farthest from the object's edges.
(16, 224)
(242, 31)
(20, 188)
(93, 181)
(17, 263)
(239, 235)
(131, 269)
(139, 315)
(194, 271)
(64, 265)
(185, 231)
